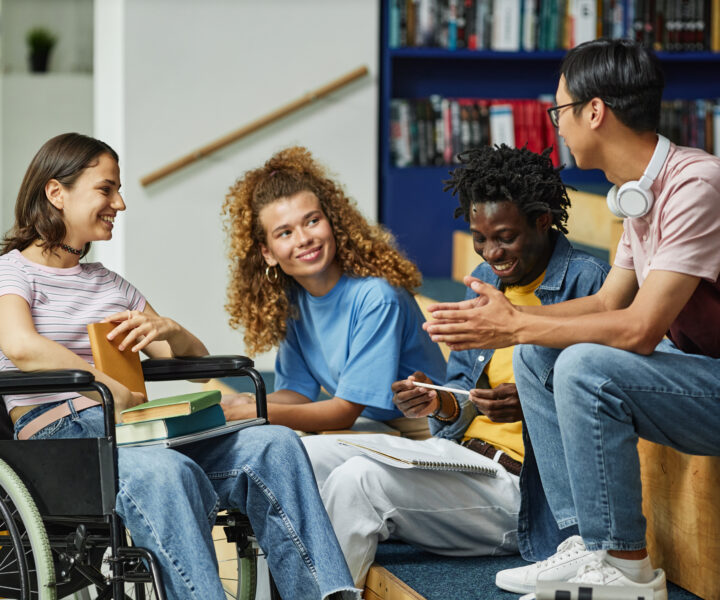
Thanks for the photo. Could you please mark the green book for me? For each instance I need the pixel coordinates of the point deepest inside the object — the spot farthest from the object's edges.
(172, 406)
(171, 427)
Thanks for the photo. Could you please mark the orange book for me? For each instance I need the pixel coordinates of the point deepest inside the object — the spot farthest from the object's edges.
(123, 366)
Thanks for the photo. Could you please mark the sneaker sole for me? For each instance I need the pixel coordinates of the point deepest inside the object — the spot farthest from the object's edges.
(548, 590)
(513, 587)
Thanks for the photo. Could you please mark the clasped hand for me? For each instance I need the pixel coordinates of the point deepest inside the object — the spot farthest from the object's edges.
(486, 321)
(500, 404)
(239, 406)
(141, 328)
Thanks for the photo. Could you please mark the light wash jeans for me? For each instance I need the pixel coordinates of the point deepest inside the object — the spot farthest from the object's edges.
(585, 408)
(168, 500)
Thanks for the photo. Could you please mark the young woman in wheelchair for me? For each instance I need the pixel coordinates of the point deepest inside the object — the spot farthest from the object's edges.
(168, 499)
(310, 275)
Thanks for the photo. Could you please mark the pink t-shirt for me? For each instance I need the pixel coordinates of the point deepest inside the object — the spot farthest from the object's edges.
(62, 302)
(681, 233)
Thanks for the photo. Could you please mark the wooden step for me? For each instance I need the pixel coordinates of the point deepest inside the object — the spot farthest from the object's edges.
(381, 584)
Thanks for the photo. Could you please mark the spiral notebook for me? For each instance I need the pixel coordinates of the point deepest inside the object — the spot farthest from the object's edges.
(469, 462)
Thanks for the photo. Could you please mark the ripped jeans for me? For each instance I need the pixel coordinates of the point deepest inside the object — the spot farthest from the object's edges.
(168, 500)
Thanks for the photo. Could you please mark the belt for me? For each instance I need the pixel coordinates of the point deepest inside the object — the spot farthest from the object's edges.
(511, 465)
(54, 414)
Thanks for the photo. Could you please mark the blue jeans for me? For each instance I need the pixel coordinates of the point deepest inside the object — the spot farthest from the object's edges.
(168, 500)
(585, 408)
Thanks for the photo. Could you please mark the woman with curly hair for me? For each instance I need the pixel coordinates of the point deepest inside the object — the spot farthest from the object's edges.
(310, 275)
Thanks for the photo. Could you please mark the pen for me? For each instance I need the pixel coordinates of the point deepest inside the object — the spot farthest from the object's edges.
(441, 388)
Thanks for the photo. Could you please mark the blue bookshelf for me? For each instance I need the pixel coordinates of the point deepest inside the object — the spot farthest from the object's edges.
(411, 201)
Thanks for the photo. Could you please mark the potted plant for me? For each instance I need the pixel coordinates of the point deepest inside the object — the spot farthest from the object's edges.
(41, 42)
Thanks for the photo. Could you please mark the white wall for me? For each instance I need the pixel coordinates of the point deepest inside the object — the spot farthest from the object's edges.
(34, 108)
(71, 22)
(192, 71)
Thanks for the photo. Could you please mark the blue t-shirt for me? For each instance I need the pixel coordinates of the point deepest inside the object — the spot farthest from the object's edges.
(355, 341)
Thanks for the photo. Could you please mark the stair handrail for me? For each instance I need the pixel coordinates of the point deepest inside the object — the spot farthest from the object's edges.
(253, 126)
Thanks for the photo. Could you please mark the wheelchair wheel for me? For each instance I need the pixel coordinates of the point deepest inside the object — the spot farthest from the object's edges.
(237, 566)
(26, 564)
(138, 584)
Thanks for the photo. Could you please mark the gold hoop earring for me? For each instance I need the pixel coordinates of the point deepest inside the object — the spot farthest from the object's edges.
(274, 273)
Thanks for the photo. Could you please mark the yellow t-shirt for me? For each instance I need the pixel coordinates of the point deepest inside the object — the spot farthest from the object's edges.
(505, 436)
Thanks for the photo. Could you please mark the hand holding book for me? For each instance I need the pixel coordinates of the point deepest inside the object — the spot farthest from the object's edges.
(136, 329)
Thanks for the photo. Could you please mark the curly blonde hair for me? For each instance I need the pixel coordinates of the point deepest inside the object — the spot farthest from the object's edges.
(262, 308)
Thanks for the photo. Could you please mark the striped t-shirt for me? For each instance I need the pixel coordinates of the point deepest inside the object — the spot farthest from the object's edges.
(62, 302)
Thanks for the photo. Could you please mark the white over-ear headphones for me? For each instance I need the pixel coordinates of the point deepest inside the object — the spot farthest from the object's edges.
(634, 198)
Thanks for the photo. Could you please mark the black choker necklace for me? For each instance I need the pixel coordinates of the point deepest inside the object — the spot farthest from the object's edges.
(71, 250)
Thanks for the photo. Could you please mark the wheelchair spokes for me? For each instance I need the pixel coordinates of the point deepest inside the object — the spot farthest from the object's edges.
(236, 551)
(26, 566)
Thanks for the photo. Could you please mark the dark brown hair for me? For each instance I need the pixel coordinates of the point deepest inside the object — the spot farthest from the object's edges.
(62, 158)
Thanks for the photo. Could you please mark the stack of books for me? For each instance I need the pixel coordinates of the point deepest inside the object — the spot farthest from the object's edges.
(167, 418)
(171, 421)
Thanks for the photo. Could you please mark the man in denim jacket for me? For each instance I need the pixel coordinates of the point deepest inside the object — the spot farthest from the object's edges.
(516, 205)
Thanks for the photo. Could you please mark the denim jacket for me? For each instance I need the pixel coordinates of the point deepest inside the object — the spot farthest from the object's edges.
(571, 273)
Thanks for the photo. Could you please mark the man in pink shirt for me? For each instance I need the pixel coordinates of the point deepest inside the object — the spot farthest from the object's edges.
(596, 373)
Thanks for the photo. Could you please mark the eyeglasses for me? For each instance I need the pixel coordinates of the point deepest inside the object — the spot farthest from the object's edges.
(553, 111)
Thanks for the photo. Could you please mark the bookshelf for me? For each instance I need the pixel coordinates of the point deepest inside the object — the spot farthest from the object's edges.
(411, 201)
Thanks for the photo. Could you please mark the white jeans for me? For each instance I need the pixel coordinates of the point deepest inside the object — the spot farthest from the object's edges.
(446, 512)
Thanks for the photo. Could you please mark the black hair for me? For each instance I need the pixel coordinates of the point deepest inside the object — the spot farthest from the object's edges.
(624, 74)
(517, 175)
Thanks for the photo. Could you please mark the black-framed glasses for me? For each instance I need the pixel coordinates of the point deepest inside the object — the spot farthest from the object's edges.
(553, 111)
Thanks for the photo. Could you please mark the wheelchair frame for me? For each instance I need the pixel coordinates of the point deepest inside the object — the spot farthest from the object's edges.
(72, 512)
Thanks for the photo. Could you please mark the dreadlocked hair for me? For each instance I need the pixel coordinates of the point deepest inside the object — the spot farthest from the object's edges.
(261, 307)
(500, 173)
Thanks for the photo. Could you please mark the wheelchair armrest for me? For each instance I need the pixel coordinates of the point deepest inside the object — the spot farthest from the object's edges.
(60, 380)
(207, 367)
(194, 367)
(37, 382)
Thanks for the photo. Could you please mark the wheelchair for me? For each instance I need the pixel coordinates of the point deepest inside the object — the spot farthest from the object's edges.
(59, 532)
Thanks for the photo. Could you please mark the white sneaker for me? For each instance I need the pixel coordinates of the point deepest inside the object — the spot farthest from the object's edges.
(561, 566)
(600, 572)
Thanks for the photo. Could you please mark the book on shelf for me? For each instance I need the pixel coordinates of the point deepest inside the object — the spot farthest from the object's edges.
(172, 406)
(511, 25)
(449, 126)
(451, 459)
(169, 427)
(502, 128)
(584, 21)
(122, 365)
(434, 131)
(506, 25)
(529, 25)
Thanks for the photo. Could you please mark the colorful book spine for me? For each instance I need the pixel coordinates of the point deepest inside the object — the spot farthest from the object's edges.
(433, 131)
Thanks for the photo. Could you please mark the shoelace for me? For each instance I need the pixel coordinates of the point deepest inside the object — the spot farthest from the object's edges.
(572, 545)
(596, 572)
